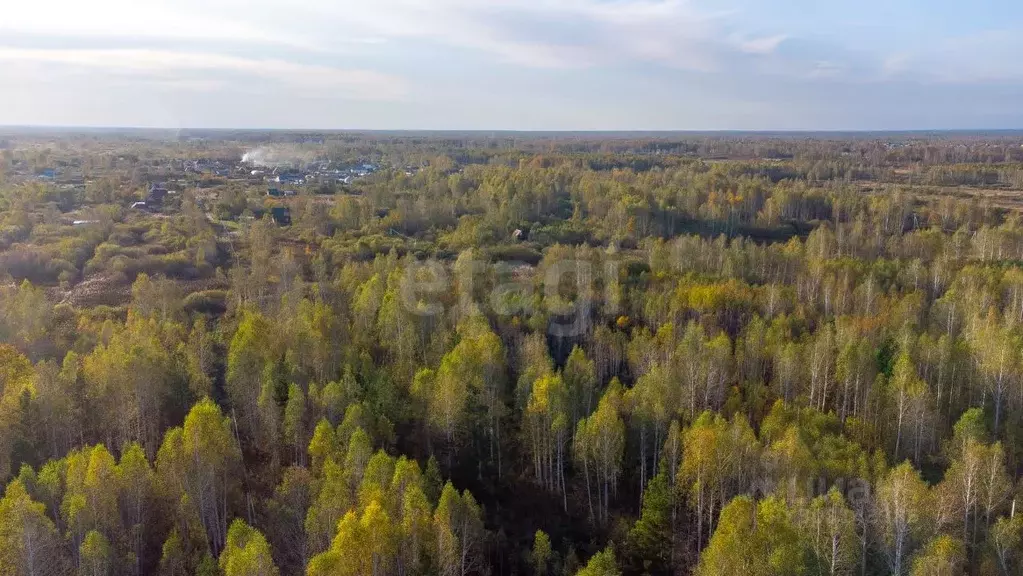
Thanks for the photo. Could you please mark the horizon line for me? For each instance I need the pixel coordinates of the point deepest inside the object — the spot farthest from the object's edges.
(595, 131)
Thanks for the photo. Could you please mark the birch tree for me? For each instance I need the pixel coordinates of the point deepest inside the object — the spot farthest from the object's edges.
(201, 460)
(598, 448)
(902, 516)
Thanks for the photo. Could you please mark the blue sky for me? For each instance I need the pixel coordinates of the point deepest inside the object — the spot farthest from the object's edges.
(514, 64)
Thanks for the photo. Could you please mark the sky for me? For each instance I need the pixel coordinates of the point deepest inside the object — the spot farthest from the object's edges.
(513, 64)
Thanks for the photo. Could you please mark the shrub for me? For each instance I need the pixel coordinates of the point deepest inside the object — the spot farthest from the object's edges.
(208, 302)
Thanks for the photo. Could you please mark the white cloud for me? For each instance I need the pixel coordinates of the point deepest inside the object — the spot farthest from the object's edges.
(765, 45)
(826, 69)
(991, 56)
(127, 19)
(680, 34)
(551, 33)
(179, 68)
(536, 33)
(233, 62)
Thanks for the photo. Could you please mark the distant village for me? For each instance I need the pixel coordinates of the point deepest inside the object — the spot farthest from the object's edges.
(168, 178)
(317, 172)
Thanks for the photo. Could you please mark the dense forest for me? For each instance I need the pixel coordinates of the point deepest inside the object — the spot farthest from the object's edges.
(511, 354)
